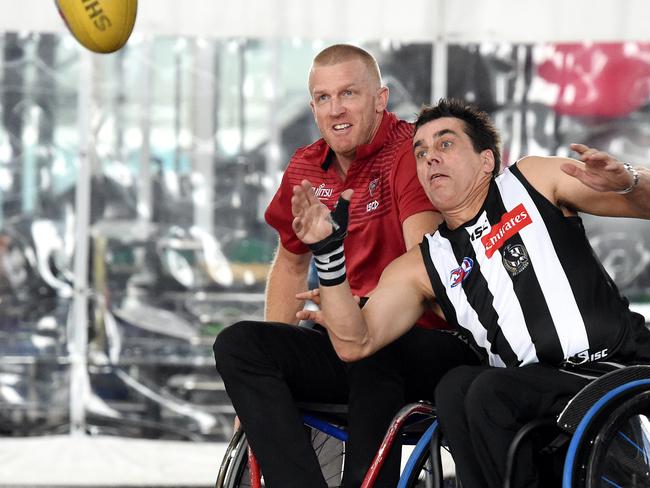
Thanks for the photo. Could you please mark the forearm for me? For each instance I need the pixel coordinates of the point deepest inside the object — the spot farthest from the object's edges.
(286, 278)
(345, 322)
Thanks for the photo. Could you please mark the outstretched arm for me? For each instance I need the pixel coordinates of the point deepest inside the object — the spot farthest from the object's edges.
(395, 304)
(591, 184)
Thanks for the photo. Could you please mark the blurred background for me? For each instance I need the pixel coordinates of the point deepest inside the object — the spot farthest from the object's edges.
(133, 186)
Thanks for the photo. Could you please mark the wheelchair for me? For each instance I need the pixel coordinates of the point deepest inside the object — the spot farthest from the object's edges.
(602, 437)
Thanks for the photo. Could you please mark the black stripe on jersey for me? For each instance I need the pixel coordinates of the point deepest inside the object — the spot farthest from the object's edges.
(529, 292)
(480, 297)
(589, 282)
(438, 288)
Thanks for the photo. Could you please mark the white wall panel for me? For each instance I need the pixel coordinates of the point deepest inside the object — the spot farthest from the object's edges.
(405, 20)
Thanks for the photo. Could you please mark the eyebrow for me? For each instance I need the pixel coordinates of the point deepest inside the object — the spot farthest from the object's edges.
(351, 86)
(437, 135)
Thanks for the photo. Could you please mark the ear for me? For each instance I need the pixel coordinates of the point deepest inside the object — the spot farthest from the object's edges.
(313, 109)
(381, 101)
(487, 160)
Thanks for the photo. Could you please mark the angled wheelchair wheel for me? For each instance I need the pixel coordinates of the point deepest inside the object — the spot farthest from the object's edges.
(425, 468)
(611, 447)
(235, 472)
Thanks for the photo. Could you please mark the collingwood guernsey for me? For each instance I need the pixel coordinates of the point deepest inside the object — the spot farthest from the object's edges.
(523, 280)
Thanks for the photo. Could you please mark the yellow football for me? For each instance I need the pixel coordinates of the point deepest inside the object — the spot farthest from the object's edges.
(103, 26)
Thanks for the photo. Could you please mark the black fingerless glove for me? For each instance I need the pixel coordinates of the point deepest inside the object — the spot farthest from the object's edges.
(328, 253)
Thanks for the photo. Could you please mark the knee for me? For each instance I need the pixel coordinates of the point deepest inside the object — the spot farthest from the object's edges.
(489, 400)
(234, 343)
(450, 392)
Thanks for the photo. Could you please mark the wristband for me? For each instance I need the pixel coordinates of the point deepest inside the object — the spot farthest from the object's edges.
(328, 253)
(635, 179)
(331, 267)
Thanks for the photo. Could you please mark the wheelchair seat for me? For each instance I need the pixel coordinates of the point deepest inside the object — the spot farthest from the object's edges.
(578, 406)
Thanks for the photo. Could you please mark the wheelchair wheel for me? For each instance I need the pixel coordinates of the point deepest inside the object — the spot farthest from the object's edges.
(234, 472)
(424, 468)
(613, 450)
(621, 451)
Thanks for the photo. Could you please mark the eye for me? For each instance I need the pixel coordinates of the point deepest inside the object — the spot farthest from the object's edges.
(347, 93)
(322, 98)
(419, 155)
(445, 144)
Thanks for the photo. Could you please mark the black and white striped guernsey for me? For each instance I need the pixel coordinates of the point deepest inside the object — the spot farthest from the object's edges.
(523, 280)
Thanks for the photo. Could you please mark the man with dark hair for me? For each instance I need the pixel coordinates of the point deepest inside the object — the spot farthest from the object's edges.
(269, 366)
(510, 265)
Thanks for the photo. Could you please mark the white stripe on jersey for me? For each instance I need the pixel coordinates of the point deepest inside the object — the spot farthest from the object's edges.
(553, 281)
(444, 262)
(506, 303)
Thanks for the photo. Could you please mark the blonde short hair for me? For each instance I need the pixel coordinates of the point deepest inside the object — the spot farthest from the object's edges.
(341, 53)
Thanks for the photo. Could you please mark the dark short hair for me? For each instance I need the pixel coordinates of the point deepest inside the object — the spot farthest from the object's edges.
(477, 123)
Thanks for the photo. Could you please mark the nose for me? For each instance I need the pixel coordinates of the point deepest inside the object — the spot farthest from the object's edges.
(336, 107)
(432, 158)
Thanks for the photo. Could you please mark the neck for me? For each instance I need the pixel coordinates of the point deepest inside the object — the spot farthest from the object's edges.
(470, 206)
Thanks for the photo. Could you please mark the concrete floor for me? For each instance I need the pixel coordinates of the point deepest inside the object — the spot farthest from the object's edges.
(65, 461)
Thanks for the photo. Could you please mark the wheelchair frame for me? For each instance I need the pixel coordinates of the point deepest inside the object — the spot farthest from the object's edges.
(593, 416)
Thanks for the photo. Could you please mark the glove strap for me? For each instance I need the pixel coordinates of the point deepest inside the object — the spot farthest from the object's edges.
(331, 267)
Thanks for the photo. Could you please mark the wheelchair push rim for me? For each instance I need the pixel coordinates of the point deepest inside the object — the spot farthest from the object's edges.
(611, 446)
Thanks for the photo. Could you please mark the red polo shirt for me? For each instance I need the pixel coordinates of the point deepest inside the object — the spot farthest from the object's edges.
(386, 192)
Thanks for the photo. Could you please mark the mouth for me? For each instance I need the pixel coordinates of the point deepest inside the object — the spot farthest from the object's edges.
(436, 176)
(341, 127)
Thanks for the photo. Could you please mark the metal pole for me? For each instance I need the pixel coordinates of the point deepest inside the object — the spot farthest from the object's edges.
(78, 319)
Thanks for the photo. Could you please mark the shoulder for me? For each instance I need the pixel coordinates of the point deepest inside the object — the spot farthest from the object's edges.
(312, 153)
(409, 268)
(400, 133)
(544, 173)
(400, 142)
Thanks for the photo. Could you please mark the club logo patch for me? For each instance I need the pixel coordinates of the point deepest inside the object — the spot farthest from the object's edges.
(515, 258)
(374, 184)
(460, 274)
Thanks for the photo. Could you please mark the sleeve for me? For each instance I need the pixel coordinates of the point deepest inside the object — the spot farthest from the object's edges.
(407, 190)
(278, 215)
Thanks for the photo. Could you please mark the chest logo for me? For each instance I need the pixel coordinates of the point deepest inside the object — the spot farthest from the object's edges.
(373, 185)
(515, 258)
(322, 192)
(510, 223)
(461, 273)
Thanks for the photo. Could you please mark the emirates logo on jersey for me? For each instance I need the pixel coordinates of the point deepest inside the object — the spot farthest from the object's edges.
(511, 223)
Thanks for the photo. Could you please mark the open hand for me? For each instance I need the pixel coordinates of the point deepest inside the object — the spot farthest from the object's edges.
(311, 218)
(601, 172)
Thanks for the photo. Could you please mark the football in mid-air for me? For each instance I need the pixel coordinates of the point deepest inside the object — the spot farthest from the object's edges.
(103, 26)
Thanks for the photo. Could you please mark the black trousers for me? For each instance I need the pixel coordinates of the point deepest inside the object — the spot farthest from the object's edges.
(481, 408)
(268, 367)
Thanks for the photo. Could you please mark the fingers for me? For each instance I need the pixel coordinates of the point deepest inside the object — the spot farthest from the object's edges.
(313, 295)
(315, 315)
(593, 157)
(570, 169)
(347, 194)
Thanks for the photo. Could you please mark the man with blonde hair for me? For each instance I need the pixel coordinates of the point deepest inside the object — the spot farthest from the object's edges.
(269, 366)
